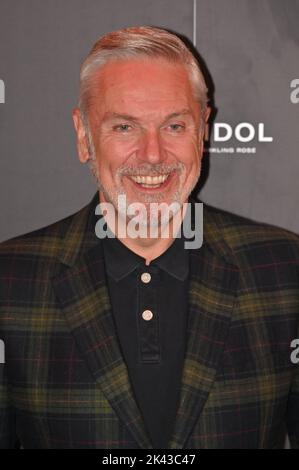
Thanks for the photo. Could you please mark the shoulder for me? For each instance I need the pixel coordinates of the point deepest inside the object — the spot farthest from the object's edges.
(42, 244)
(253, 242)
(36, 241)
(230, 219)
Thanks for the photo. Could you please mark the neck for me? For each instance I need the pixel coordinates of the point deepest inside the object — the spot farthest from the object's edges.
(148, 247)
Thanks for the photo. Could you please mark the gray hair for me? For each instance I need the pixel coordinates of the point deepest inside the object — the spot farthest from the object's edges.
(135, 42)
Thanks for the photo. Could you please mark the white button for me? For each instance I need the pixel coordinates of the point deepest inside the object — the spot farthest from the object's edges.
(147, 315)
(146, 277)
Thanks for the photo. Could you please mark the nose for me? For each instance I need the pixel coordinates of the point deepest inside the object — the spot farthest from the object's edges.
(150, 149)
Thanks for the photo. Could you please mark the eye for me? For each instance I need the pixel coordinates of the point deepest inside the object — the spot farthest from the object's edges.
(176, 127)
(122, 127)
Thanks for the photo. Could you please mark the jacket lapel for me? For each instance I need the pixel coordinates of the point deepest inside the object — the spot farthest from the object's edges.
(82, 292)
(212, 290)
(81, 289)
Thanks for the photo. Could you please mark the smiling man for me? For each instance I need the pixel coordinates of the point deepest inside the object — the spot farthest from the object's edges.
(128, 342)
(141, 123)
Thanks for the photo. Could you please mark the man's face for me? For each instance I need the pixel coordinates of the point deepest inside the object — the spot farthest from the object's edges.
(146, 131)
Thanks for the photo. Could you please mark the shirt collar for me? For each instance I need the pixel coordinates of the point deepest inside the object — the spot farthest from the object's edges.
(121, 261)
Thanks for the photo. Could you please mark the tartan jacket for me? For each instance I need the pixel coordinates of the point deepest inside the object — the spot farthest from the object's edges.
(65, 384)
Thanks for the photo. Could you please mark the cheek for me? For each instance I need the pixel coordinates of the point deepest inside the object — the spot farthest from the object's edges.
(114, 153)
(191, 160)
(189, 154)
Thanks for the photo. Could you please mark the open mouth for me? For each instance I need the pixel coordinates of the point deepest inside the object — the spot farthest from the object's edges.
(152, 182)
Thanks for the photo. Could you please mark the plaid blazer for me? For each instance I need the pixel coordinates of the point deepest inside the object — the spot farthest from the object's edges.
(65, 384)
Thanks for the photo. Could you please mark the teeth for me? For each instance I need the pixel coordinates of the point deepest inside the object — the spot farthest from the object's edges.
(150, 180)
(150, 185)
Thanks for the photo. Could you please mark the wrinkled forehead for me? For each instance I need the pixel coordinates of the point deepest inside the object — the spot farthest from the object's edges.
(141, 85)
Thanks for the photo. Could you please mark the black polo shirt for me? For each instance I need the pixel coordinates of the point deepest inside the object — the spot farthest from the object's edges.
(150, 306)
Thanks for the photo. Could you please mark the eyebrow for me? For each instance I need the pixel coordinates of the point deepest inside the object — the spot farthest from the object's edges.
(127, 117)
(182, 112)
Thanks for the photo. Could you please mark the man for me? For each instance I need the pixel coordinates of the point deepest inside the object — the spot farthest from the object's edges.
(137, 342)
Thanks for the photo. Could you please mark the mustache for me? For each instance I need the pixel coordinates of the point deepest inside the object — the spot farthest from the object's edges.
(150, 169)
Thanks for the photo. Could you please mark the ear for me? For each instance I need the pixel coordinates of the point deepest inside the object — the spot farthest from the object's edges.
(205, 131)
(207, 113)
(82, 142)
(206, 125)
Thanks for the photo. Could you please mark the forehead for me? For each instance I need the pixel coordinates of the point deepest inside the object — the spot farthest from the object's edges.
(141, 82)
